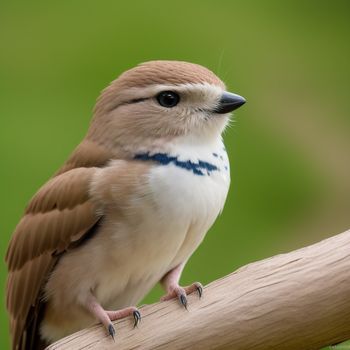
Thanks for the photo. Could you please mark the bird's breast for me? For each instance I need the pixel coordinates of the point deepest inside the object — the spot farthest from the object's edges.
(166, 217)
(187, 197)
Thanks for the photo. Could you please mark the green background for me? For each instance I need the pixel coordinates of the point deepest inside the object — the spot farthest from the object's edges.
(289, 145)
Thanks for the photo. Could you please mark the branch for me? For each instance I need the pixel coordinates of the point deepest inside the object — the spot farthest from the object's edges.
(299, 300)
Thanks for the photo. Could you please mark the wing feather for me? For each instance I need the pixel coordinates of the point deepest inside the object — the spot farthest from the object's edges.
(58, 216)
(41, 229)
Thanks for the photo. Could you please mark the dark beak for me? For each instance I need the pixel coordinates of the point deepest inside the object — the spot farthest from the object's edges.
(229, 102)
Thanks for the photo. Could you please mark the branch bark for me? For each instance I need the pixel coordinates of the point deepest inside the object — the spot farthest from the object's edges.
(299, 300)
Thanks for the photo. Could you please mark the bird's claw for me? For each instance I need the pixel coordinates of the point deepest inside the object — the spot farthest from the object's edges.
(120, 314)
(181, 293)
(183, 300)
(199, 289)
(111, 330)
(137, 317)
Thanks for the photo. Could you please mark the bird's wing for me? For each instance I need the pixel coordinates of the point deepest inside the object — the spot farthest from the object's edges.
(58, 216)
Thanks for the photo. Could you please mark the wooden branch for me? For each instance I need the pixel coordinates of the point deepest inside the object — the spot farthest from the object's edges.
(299, 300)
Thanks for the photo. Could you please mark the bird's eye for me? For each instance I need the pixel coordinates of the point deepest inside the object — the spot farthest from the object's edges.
(168, 99)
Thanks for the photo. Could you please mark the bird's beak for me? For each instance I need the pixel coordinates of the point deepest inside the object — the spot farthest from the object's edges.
(229, 102)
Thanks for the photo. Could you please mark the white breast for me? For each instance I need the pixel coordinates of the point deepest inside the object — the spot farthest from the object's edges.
(189, 202)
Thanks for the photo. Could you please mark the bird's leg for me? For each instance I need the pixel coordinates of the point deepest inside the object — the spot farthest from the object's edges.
(170, 282)
(105, 316)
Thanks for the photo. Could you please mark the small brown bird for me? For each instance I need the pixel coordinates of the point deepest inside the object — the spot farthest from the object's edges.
(127, 209)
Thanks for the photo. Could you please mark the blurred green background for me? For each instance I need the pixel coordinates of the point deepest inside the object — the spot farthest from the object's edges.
(289, 145)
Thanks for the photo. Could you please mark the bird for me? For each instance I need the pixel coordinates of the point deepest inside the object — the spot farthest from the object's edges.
(127, 209)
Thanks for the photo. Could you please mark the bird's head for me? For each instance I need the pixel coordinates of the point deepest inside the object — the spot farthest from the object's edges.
(162, 100)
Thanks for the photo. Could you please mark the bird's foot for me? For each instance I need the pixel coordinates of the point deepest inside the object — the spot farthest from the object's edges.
(106, 317)
(181, 293)
(120, 314)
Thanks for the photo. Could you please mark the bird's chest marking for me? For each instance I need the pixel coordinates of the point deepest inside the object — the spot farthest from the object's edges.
(200, 167)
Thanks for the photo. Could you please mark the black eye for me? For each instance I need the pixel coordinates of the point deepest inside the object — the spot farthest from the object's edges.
(168, 99)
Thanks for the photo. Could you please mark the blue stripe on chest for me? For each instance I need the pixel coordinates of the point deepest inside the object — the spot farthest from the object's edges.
(200, 168)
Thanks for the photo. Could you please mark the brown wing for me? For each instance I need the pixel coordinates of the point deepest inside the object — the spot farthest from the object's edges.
(59, 215)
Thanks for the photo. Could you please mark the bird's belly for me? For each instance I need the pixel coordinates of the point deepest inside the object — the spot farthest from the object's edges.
(162, 231)
(186, 206)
